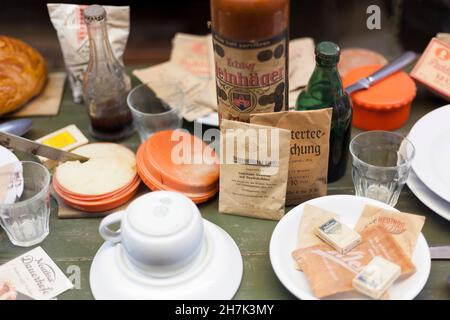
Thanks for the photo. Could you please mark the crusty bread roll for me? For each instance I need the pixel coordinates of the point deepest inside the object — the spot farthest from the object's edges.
(23, 72)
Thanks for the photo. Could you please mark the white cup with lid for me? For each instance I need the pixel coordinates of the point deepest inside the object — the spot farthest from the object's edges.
(161, 232)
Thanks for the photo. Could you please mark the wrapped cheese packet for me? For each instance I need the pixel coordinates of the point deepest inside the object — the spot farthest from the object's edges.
(404, 227)
(74, 41)
(312, 217)
(329, 272)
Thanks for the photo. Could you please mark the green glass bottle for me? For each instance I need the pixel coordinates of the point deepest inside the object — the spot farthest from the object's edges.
(325, 90)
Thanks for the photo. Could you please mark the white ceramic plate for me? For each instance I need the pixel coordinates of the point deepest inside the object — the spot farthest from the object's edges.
(6, 156)
(211, 119)
(216, 275)
(349, 208)
(431, 138)
(7, 194)
(428, 197)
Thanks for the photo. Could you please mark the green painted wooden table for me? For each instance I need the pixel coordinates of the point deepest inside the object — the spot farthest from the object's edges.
(74, 242)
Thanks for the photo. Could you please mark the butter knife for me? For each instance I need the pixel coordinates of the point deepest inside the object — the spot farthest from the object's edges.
(440, 252)
(394, 66)
(18, 143)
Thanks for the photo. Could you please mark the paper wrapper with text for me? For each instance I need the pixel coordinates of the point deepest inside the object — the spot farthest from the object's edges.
(329, 272)
(433, 67)
(250, 184)
(404, 227)
(164, 79)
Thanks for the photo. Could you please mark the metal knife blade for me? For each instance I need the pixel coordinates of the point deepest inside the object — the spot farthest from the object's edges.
(394, 66)
(15, 142)
(440, 252)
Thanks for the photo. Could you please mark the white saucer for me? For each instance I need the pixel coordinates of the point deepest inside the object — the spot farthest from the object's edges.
(428, 197)
(349, 208)
(215, 275)
(430, 136)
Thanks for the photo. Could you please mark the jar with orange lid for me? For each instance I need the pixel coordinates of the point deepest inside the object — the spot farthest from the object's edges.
(385, 105)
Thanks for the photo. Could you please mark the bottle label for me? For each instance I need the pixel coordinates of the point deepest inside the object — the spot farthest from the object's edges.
(251, 77)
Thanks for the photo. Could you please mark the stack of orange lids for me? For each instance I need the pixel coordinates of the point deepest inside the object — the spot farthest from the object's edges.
(106, 181)
(178, 161)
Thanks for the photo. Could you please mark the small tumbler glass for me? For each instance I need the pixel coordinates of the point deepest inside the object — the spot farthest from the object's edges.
(152, 114)
(381, 164)
(25, 202)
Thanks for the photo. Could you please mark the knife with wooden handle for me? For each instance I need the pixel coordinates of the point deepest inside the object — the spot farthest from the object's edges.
(18, 143)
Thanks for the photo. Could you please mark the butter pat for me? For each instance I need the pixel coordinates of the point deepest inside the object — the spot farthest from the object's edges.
(67, 139)
(338, 235)
(376, 277)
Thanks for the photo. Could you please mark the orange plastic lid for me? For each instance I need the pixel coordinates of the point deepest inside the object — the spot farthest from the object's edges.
(89, 204)
(178, 161)
(352, 58)
(395, 91)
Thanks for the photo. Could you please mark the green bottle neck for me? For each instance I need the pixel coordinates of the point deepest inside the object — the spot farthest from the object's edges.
(323, 90)
(326, 77)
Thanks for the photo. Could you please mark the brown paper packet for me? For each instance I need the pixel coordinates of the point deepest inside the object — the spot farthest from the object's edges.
(309, 147)
(255, 188)
(195, 54)
(329, 272)
(302, 62)
(312, 217)
(167, 79)
(404, 227)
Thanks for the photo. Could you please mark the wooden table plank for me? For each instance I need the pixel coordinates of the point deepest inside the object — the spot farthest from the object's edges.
(74, 242)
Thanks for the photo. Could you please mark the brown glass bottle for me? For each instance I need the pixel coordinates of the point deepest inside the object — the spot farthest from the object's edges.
(250, 39)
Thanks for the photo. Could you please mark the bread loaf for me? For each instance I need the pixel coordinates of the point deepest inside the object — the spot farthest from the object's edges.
(23, 72)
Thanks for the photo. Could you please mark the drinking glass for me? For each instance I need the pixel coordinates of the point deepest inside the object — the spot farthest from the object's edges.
(25, 202)
(381, 164)
(152, 114)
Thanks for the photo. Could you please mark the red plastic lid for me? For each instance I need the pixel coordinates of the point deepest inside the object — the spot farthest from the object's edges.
(166, 161)
(395, 91)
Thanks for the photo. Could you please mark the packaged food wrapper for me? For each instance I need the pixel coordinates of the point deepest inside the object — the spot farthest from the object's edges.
(312, 217)
(329, 272)
(309, 148)
(404, 227)
(252, 183)
(73, 38)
